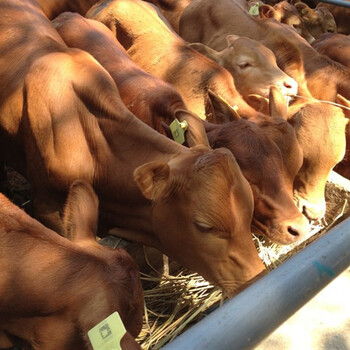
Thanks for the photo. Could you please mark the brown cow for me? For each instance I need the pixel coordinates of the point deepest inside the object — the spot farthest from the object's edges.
(252, 65)
(62, 118)
(285, 12)
(341, 16)
(335, 46)
(54, 290)
(281, 223)
(318, 20)
(151, 99)
(294, 55)
(162, 53)
(270, 168)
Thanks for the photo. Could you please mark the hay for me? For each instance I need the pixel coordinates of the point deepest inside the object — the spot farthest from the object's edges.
(175, 302)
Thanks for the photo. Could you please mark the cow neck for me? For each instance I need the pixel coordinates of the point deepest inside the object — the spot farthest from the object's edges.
(131, 143)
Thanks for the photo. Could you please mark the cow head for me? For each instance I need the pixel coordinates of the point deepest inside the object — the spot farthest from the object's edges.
(252, 65)
(320, 130)
(286, 13)
(119, 283)
(80, 282)
(202, 208)
(271, 169)
(318, 21)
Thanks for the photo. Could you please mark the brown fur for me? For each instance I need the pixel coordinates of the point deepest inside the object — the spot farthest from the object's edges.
(52, 290)
(53, 8)
(62, 119)
(226, 17)
(151, 99)
(341, 16)
(162, 53)
(335, 46)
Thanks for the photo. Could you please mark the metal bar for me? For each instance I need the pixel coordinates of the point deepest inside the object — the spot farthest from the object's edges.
(244, 321)
(342, 3)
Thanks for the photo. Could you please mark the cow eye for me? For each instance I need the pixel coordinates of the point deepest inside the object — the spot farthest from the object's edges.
(244, 65)
(202, 227)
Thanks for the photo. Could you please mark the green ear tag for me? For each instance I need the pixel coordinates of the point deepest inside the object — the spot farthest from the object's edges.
(254, 9)
(108, 333)
(178, 130)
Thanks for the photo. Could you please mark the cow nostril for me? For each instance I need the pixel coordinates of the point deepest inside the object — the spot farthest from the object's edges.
(294, 232)
(287, 85)
(330, 30)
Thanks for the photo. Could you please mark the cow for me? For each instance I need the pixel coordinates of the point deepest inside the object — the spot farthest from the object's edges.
(318, 21)
(335, 46)
(62, 119)
(340, 14)
(55, 289)
(285, 12)
(294, 55)
(149, 98)
(281, 223)
(270, 157)
(320, 129)
(252, 65)
(162, 53)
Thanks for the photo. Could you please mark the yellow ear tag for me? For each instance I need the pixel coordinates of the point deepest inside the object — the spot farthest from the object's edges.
(254, 9)
(108, 333)
(178, 130)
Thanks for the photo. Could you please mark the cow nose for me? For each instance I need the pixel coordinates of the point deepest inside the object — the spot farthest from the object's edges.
(298, 228)
(290, 86)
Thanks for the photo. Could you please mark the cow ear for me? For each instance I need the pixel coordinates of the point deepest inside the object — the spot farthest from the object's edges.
(231, 38)
(304, 10)
(80, 215)
(224, 112)
(195, 133)
(259, 103)
(151, 178)
(206, 51)
(278, 107)
(267, 11)
(346, 103)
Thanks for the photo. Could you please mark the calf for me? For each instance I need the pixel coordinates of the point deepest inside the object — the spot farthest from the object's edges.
(283, 226)
(294, 55)
(157, 50)
(62, 119)
(252, 65)
(285, 12)
(340, 15)
(318, 20)
(270, 157)
(54, 290)
(151, 99)
(335, 46)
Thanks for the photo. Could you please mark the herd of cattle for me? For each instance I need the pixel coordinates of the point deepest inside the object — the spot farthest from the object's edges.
(88, 91)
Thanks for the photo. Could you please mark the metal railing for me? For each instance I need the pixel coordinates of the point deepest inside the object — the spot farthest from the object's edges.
(242, 322)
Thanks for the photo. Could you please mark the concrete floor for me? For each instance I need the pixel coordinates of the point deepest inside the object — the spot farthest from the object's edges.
(322, 324)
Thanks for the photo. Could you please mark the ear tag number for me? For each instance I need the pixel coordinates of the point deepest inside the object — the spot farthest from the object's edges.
(108, 333)
(254, 9)
(178, 130)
